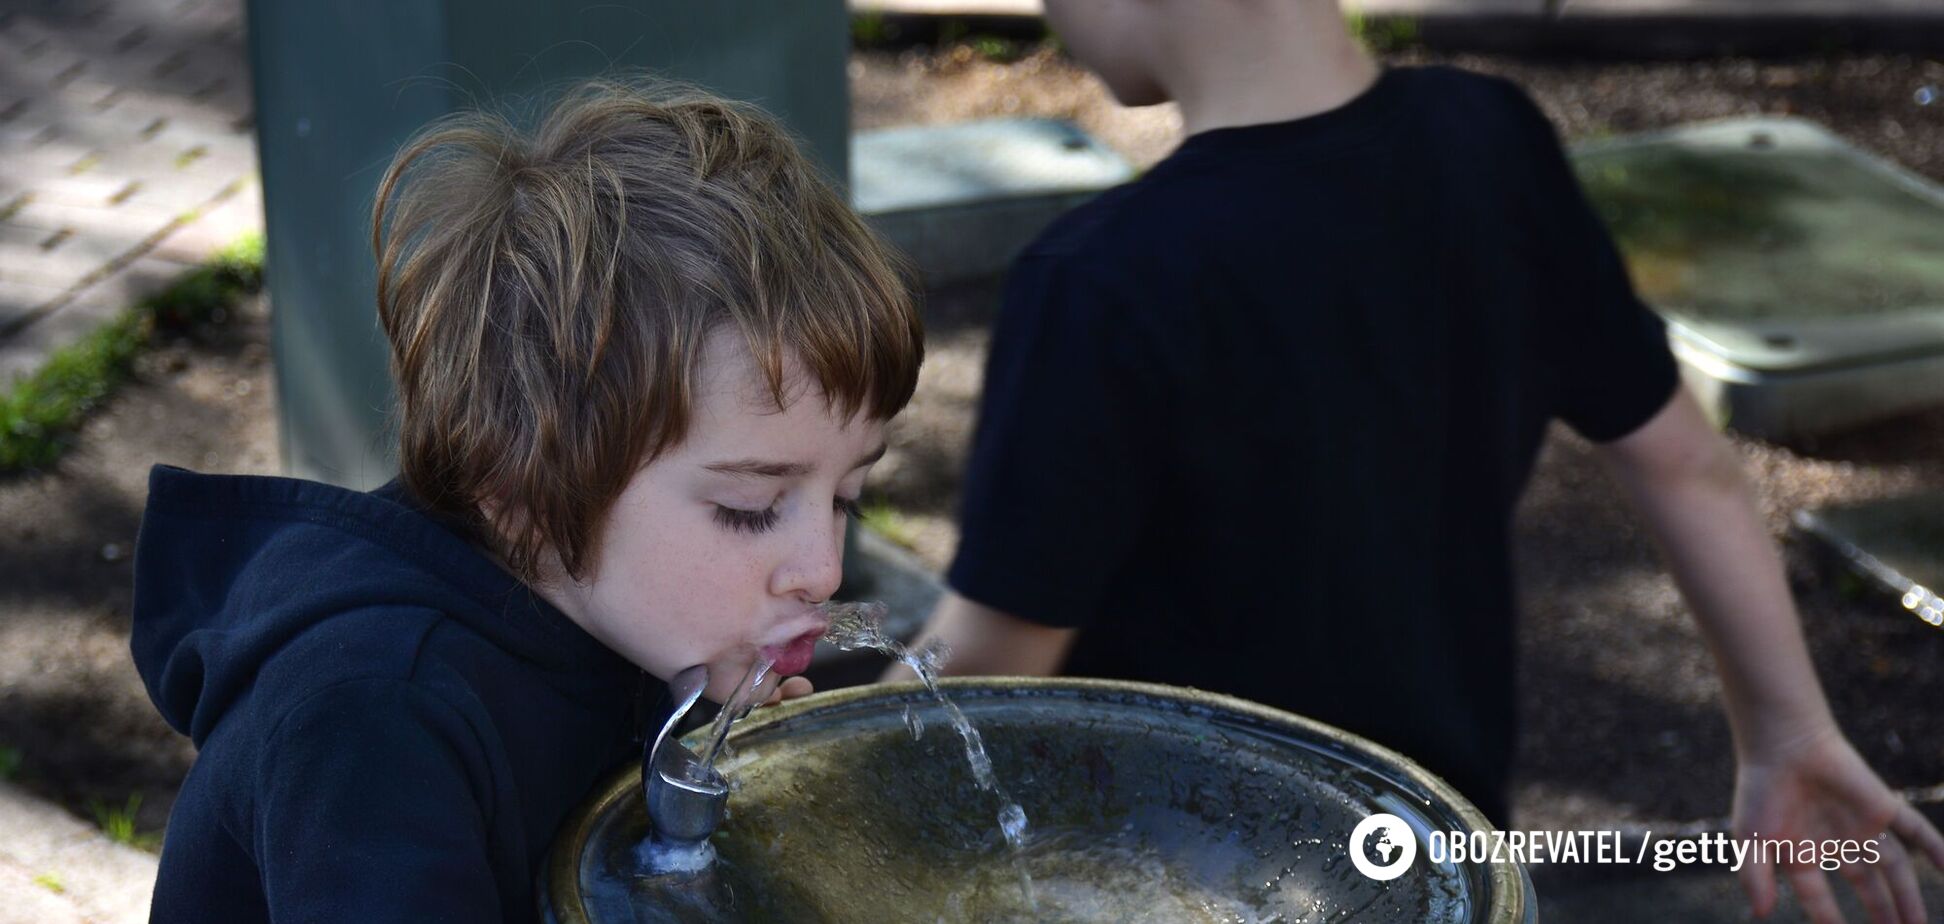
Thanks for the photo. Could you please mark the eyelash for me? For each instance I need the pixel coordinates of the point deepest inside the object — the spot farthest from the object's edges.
(761, 521)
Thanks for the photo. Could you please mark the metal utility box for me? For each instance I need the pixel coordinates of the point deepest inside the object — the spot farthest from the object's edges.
(339, 86)
(1802, 279)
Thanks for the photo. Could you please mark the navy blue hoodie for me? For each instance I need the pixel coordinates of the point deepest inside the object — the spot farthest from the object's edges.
(390, 727)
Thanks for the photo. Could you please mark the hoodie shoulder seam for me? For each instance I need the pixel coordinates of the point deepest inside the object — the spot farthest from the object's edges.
(408, 678)
(410, 686)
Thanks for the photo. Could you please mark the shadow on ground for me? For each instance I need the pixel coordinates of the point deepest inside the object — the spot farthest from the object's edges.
(70, 700)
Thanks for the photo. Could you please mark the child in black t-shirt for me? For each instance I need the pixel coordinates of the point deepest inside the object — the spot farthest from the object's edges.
(1257, 423)
(644, 356)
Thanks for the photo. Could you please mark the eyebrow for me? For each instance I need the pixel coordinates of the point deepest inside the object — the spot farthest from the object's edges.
(763, 468)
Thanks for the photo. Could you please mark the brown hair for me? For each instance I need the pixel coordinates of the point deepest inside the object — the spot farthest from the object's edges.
(547, 296)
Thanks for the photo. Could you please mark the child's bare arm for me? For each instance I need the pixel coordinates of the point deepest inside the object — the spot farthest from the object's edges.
(1797, 775)
(988, 642)
(1687, 483)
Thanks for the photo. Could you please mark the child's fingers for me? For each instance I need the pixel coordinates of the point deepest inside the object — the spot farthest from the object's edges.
(1917, 831)
(1758, 880)
(1813, 893)
(1871, 889)
(790, 688)
(1901, 873)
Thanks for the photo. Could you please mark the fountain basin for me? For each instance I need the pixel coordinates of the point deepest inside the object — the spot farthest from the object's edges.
(1145, 803)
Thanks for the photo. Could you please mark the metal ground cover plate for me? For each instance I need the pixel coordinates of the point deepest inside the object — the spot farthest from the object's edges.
(1802, 279)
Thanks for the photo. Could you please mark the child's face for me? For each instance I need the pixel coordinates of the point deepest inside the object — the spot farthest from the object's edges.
(717, 550)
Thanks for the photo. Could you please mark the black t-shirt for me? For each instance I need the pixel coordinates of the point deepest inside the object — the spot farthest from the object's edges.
(1257, 422)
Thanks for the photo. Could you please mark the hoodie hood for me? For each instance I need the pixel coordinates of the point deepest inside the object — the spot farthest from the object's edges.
(230, 568)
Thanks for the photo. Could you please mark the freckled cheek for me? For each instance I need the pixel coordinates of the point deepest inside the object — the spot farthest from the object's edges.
(714, 594)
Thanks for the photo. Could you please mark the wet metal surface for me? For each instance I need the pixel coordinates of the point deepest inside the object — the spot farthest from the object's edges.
(1148, 803)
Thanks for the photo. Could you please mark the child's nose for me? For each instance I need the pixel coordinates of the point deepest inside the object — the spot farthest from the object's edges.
(816, 566)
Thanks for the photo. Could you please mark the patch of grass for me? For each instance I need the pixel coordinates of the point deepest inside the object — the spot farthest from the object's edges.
(9, 763)
(214, 287)
(184, 159)
(14, 205)
(51, 883)
(880, 517)
(997, 49)
(870, 29)
(1381, 34)
(119, 823)
(39, 412)
(876, 30)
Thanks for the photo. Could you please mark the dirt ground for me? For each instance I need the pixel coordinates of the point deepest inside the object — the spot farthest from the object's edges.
(1618, 702)
(69, 696)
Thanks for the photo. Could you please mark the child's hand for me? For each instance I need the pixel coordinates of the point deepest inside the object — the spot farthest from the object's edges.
(1819, 789)
(790, 688)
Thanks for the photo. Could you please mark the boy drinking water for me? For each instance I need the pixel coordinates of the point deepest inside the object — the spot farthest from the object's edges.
(1257, 423)
(644, 359)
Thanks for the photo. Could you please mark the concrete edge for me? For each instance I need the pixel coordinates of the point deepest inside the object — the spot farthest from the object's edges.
(1651, 36)
(1614, 35)
(56, 867)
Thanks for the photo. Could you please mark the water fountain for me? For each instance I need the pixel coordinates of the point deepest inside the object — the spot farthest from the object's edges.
(1147, 803)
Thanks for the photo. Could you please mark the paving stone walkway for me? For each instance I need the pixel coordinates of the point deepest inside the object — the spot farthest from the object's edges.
(125, 131)
(126, 156)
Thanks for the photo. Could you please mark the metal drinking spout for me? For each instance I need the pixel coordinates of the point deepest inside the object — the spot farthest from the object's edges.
(685, 799)
(685, 802)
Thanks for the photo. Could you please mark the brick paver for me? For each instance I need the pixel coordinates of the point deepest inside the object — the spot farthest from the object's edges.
(127, 152)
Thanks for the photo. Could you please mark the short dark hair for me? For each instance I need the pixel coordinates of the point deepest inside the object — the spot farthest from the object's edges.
(547, 296)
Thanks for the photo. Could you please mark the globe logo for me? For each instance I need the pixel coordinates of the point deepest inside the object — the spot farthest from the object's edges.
(1382, 847)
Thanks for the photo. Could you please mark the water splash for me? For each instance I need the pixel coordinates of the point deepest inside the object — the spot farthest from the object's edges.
(1012, 820)
(861, 625)
(914, 723)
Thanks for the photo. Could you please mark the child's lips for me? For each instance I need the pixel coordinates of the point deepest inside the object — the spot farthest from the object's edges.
(793, 657)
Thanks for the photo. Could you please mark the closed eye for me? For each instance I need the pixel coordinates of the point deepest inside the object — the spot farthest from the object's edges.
(746, 521)
(762, 521)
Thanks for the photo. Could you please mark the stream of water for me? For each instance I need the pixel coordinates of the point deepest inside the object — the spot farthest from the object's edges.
(861, 625)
